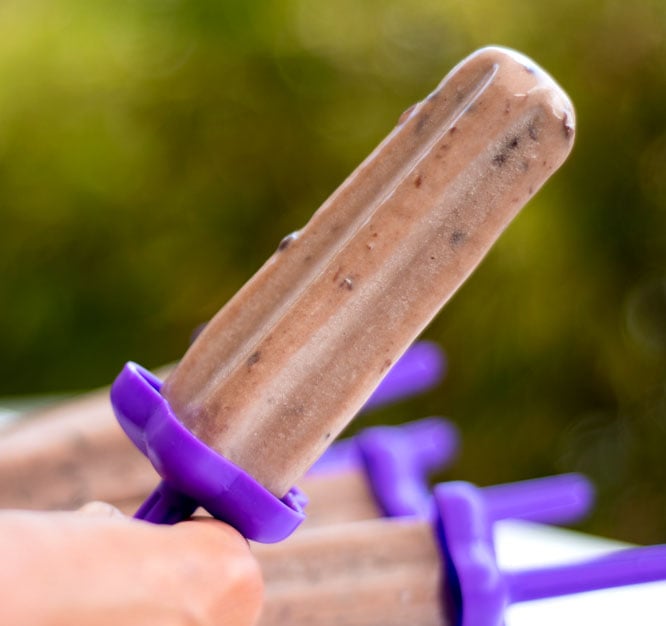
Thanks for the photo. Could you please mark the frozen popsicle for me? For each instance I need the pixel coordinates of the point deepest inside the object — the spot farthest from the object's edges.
(63, 456)
(366, 573)
(284, 366)
(391, 572)
(383, 471)
(67, 454)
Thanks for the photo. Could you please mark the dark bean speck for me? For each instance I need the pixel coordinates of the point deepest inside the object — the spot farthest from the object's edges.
(566, 126)
(253, 358)
(423, 119)
(499, 159)
(417, 181)
(457, 237)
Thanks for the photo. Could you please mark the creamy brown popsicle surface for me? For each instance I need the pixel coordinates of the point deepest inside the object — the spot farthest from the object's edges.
(370, 573)
(286, 364)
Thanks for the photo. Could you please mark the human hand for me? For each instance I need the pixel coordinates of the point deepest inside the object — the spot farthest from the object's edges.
(97, 567)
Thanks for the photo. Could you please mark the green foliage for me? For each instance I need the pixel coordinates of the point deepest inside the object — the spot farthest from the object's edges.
(153, 152)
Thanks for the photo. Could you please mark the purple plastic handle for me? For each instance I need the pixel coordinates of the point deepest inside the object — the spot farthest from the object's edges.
(630, 566)
(420, 368)
(397, 462)
(193, 474)
(477, 592)
(552, 500)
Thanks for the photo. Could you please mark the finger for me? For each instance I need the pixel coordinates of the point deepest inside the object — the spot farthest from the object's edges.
(100, 509)
(224, 578)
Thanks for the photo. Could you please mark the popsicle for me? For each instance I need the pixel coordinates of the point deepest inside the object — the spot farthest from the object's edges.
(196, 476)
(67, 454)
(285, 365)
(391, 572)
(382, 471)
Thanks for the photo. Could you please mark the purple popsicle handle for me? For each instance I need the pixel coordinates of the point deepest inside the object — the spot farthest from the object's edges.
(398, 462)
(552, 500)
(630, 566)
(192, 473)
(430, 443)
(422, 367)
(477, 592)
(165, 505)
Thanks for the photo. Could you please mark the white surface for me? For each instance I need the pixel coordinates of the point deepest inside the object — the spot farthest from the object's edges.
(8, 416)
(521, 545)
(12, 409)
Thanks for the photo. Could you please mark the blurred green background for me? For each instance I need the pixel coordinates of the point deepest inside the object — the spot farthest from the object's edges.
(153, 153)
